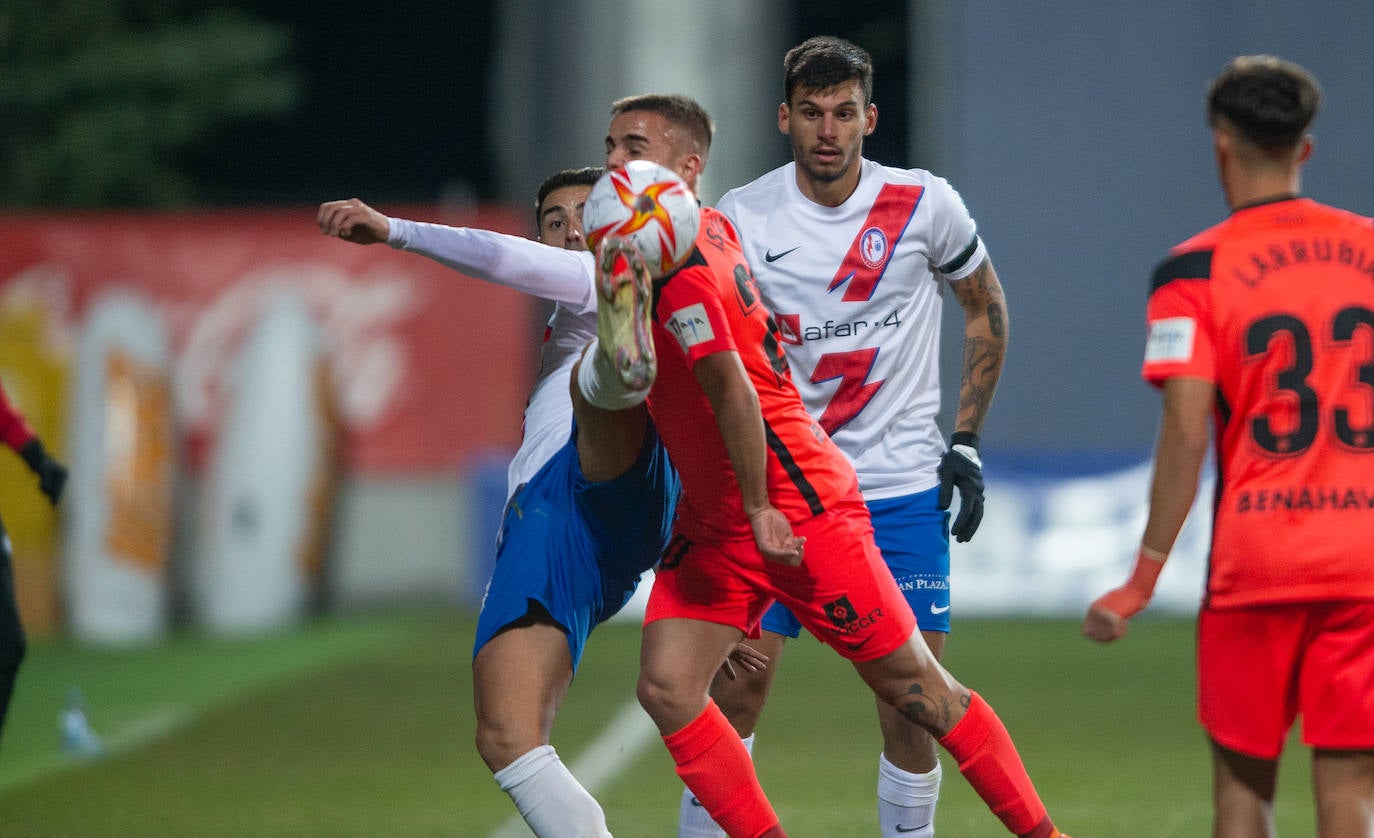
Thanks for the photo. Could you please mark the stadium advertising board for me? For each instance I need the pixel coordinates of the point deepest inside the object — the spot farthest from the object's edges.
(428, 366)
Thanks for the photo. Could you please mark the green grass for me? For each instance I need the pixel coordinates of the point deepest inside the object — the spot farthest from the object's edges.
(363, 727)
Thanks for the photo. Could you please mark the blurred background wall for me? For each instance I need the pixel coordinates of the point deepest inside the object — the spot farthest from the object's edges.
(177, 150)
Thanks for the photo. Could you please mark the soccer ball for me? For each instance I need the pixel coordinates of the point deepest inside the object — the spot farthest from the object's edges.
(649, 206)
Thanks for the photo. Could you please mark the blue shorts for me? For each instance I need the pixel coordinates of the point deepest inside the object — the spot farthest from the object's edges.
(913, 534)
(577, 548)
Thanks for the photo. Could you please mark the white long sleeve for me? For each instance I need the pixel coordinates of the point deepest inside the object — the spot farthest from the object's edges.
(563, 276)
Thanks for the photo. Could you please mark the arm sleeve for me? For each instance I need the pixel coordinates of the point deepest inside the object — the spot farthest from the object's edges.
(14, 431)
(1179, 340)
(956, 248)
(692, 313)
(563, 276)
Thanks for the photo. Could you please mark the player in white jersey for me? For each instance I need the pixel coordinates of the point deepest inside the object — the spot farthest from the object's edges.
(591, 497)
(589, 537)
(851, 257)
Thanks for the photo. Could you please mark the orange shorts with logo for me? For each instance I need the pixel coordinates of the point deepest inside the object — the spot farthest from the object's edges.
(842, 591)
(1260, 666)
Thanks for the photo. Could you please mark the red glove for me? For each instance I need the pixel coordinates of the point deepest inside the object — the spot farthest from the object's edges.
(1109, 613)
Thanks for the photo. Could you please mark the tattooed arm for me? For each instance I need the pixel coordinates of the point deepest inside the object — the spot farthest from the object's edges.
(986, 329)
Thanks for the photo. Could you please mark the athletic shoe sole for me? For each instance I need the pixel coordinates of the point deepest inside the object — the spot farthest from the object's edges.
(622, 317)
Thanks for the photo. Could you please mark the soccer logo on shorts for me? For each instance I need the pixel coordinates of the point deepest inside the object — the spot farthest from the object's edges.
(841, 612)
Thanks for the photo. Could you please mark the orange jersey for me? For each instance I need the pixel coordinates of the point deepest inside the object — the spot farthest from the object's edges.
(711, 305)
(1275, 306)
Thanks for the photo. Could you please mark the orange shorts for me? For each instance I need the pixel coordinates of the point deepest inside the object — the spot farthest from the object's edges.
(842, 592)
(1259, 667)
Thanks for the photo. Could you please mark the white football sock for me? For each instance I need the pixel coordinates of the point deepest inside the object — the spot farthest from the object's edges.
(692, 820)
(906, 801)
(549, 798)
(601, 385)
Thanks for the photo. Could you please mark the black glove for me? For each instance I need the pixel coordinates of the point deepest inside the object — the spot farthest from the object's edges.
(52, 475)
(960, 466)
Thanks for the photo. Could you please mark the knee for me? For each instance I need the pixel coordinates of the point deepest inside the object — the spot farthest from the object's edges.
(667, 703)
(653, 696)
(499, 745)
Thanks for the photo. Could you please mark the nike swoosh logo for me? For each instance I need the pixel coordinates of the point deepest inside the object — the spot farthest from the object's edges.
(770, 256)
(901, 828)
(696, 803)
(854, 647)
(937, 609)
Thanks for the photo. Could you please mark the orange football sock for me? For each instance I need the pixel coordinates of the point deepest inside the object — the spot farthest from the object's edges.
(713, 763)
(989, 761)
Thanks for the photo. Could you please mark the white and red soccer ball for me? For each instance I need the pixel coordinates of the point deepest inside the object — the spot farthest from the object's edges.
(649, 206)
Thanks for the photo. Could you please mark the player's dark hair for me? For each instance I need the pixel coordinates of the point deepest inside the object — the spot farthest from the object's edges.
(683, 111)
(1269, 101)
(824, 61)
(586, 176)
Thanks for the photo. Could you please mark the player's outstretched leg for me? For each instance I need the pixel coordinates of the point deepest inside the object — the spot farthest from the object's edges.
(612, 378)
(622, 329)
(618, 367)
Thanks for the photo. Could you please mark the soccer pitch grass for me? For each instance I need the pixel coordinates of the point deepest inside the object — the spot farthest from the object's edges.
(362, 726)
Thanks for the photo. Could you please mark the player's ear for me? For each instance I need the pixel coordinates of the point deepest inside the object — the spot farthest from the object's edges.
(870, 119)
(1221, 144)
(784, 118)
(689, 168)
(1305, 148)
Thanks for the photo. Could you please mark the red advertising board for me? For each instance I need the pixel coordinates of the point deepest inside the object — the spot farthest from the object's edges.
(428, 366)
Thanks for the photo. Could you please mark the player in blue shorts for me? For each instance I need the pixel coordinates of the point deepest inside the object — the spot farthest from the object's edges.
(572, 549)
(591, 492)
(590, 501)
(912, 534)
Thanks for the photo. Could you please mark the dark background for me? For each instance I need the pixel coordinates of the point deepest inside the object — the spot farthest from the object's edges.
(1073, 129)
(395, 102)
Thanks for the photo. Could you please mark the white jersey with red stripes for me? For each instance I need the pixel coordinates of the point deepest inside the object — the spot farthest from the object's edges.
(856, 290)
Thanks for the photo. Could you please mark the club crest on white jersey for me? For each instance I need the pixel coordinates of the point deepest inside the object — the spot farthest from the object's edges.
(873, 247)
(858, 307)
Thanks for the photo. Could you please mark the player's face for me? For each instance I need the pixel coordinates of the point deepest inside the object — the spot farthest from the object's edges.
(645, 135)
(827, 130)
(560, 218)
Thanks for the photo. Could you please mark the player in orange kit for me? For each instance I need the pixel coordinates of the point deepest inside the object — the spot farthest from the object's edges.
(770, 508)
(1264, 326)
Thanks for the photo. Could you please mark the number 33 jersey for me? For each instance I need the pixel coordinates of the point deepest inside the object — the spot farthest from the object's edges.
(1275, 306)
(856, 292)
